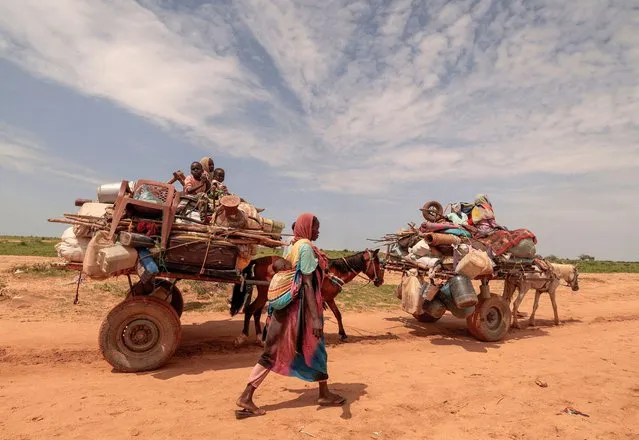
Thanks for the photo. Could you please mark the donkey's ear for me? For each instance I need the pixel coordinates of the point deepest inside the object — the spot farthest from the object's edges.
(376, 251)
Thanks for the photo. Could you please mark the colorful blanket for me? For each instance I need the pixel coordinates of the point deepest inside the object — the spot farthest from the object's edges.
(500, 241)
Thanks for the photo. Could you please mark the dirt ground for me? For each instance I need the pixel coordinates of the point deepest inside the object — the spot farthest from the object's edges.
(403, 379)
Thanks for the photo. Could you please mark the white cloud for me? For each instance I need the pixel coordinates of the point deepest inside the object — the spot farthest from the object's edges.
(412, 91)
(20, 151)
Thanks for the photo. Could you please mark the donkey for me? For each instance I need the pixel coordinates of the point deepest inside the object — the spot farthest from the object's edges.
(543, 281)
(340, 271)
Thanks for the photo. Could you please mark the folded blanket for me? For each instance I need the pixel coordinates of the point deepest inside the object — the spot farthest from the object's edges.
(500, 241)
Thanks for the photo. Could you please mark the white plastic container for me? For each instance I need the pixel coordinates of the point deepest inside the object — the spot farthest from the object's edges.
(474, 264)
(117, 258)
(90, 264)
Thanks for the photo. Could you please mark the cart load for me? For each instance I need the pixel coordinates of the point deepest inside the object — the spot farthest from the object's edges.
(107, 235)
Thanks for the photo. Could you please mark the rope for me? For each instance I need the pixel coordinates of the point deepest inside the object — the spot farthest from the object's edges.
(208, 246)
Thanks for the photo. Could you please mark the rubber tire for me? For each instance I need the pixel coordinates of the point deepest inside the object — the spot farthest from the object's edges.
(177, 300)
(477, 322)
(160, 313)
(425, 317)
(428, 216)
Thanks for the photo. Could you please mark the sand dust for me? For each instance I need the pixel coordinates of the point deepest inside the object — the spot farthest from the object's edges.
(403, 380)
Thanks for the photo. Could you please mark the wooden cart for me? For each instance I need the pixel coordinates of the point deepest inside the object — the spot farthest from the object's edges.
(143, 331)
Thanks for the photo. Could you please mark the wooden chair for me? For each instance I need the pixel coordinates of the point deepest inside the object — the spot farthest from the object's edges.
(165, 204)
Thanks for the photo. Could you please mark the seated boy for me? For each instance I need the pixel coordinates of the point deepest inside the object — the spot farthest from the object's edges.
(217, 184)
(195, 183)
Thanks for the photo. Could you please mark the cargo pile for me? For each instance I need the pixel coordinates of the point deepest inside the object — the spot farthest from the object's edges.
(450, 248)
(147, 227)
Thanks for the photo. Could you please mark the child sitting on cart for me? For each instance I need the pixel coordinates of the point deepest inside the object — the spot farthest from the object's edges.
(218, 189)
(196, 183)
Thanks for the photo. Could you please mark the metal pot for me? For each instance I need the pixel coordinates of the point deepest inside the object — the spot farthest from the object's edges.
(108, 193)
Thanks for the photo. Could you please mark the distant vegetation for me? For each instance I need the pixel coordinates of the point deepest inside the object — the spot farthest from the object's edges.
(263, 252)
(44, 246)
(588, 264)
(30, 246)
(600, 266)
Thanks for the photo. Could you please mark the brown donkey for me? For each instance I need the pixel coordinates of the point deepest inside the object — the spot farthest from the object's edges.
(340, 271)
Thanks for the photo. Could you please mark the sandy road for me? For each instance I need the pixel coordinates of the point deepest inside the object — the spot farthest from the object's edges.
(404, 380)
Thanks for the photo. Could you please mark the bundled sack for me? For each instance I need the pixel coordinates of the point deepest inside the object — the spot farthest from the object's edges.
(91, 209)
(524, 249)
(475, 263)
(420, 249)
(72, 248)
(412, 300)
(428, 262)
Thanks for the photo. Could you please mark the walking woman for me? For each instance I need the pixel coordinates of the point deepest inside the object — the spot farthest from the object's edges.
(294, 344)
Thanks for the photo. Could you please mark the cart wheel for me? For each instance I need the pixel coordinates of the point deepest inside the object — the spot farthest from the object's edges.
(432, 211)
(162, 289)
(425, 317)
(140, 334)
(491, 319)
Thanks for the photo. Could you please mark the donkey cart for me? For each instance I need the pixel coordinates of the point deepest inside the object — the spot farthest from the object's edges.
(147, 229)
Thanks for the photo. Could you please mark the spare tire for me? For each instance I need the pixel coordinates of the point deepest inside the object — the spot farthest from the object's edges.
(432, 211)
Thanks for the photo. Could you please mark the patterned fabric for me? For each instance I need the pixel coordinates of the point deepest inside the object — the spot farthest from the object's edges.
(500, 241)
(218, 189)
(282, 290)
(290, 348)
(436, 227)
(482, 211)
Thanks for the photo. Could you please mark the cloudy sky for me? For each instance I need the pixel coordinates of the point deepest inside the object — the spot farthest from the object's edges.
(359, 111)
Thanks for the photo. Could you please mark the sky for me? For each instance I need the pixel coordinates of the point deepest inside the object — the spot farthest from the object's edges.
(358, 111)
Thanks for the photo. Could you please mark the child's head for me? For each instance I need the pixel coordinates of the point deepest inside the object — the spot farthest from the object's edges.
(218, 174)
(196, 170)
(207, 164)
(281, 264)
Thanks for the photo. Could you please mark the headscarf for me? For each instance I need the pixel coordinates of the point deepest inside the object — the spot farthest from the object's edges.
(207, 164)
(304, 229)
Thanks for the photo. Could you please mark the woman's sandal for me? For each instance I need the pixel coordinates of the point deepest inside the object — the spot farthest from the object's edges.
(331, 402)
(241, 414)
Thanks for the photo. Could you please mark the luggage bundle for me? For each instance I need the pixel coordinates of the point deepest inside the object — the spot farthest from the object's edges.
(148, 226)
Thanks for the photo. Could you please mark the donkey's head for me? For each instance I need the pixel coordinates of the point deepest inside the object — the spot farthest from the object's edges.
(568, 273)
(372, 267)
